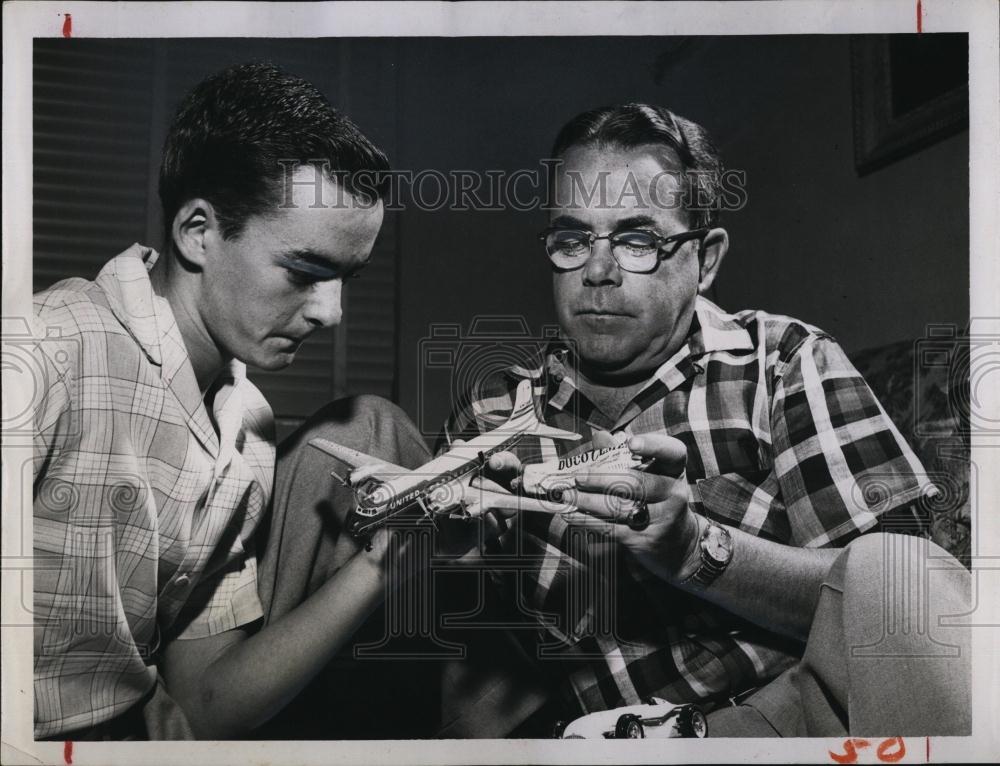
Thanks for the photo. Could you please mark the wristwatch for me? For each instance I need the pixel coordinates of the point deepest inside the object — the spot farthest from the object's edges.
(716, 546)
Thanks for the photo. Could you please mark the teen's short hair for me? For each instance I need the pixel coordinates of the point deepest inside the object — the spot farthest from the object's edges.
(237, 133)
(628, 126)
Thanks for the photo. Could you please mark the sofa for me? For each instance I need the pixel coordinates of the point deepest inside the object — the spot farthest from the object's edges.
(924, 387)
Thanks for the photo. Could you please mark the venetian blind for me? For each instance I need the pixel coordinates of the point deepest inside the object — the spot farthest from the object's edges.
(101, 109)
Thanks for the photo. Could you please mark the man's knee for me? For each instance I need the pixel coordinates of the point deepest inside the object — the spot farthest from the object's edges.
(899, 592)
(873, 556)
(900, 586)
(349, 421)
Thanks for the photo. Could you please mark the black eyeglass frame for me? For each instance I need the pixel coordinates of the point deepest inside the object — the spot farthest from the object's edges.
(677, 240)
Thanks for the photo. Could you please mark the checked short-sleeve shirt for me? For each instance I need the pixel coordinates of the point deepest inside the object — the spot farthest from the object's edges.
(784, 440)
(145, 500)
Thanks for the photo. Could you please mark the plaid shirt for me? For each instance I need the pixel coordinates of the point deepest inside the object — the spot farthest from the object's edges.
(145, 503)
(784, 440)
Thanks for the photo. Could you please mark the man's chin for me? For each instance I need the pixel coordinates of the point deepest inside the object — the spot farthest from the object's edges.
(605, 354)
(272, 362)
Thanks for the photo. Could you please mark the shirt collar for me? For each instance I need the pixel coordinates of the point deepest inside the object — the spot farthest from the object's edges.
(712, 329)
(150, 320)
(125, 282)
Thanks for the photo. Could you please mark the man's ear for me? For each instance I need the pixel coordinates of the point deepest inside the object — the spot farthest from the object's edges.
(714, 249)
(194, 230)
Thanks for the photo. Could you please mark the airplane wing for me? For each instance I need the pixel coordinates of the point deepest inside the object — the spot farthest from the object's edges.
(373, 467)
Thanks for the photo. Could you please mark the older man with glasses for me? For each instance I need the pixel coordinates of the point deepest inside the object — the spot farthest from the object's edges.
(740, 571)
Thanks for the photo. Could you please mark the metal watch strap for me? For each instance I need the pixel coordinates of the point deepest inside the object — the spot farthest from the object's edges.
(709, 569)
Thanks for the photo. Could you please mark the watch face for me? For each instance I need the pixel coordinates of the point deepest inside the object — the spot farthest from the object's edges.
(718, 544)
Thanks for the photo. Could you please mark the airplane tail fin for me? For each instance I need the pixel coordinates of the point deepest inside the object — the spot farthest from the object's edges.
(524, 411)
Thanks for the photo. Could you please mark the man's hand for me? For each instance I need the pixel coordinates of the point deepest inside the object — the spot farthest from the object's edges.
(773, 585)
(464, 538)
(668, 545)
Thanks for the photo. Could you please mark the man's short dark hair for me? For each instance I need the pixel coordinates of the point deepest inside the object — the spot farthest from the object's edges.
(236, 135)
(628, 126)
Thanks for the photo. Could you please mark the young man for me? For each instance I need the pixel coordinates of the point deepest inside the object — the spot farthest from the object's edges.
(155, 456)
(719, 571)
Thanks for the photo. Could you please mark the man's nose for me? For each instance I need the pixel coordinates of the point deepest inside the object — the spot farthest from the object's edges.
(601, 268)
(323, 308)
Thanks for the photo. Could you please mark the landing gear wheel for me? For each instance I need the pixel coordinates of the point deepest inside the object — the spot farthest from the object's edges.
(558, 729)
(629, 727)
(691, 722)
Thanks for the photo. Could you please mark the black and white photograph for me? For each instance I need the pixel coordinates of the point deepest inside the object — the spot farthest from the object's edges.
(443, 382)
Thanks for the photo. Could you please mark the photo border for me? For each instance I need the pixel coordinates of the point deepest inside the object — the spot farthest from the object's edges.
(24, 21)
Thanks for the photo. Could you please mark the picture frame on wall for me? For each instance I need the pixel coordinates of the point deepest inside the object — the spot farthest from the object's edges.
(910, 91)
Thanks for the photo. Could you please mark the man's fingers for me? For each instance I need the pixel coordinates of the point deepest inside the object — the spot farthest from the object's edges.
(669, 455)
(483, 495)
(488, 495)
(488, 485)
(577, 517)
(505, 463)
(602, 439)
(627, 484)
(607, 507)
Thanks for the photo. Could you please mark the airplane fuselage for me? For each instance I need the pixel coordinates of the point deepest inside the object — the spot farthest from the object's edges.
(436, 486)
(385, 490)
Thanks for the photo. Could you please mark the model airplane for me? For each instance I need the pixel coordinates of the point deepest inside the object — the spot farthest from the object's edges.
(553, 477)
(443, 485)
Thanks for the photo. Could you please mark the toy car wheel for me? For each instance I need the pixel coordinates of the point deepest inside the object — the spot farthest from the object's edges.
(558, 729)
(691, 722)
(629, 727)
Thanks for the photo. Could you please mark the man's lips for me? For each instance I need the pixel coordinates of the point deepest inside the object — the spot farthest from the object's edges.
(293, 339)
(603, 313)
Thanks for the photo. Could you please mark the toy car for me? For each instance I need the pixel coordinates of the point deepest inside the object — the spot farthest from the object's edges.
(657, 718)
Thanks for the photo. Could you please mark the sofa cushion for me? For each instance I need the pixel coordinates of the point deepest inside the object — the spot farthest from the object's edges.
(926, 395)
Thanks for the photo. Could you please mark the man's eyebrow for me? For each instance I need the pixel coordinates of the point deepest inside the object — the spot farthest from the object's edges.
(635, 221)
(568, 222)
(310, 262)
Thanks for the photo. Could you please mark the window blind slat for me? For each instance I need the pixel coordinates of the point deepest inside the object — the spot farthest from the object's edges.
(97, 108)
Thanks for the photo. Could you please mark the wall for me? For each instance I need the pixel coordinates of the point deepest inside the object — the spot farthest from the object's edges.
(870, 260)
(101, 111)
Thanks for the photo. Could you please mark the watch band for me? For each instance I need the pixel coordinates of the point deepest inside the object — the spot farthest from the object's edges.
(716, 551)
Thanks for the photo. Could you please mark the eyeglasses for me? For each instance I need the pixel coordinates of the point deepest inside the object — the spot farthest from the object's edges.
(637, 250)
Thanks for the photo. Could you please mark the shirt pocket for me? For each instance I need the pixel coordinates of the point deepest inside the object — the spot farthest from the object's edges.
(749, 500)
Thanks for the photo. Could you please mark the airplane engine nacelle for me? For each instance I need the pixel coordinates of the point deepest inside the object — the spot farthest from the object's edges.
(444, 497)
(358, 477)
(372, 497)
